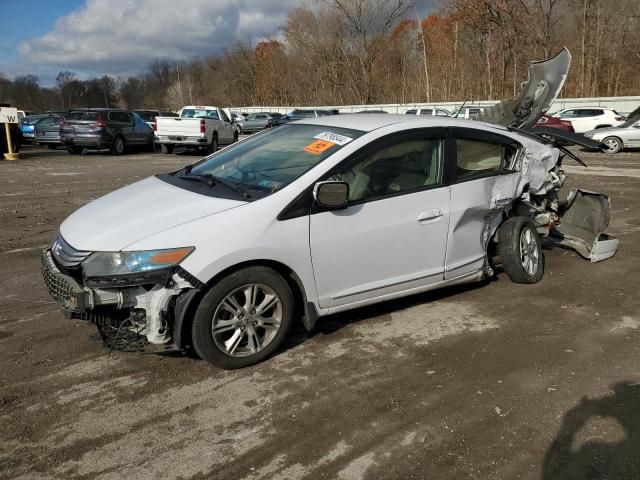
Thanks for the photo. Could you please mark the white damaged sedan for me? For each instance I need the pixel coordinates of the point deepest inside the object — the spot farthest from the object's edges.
(320, 216)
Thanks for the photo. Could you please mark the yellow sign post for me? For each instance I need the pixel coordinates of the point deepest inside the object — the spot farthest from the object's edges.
(8, 116)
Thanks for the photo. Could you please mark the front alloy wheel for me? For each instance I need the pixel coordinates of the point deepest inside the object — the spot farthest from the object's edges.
(247, 320)
(243, 318)
(613, 144)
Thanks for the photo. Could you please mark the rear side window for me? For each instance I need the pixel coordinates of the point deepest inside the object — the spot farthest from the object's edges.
(148, 116)
(426, 111)
(411, 112)
(476, 158)
(589, 112)
(199, 113)
(122, 117)
(92, 116)
(48, 121)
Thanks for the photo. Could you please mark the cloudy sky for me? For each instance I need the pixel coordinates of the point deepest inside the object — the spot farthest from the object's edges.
(121, 37)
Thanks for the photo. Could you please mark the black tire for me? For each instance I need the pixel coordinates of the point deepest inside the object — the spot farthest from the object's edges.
(118, 147)
(166, 148)
(52, 146)
(614, 145)
(235, 136)
(213, 146)
(520, 248)
(202, 337)
(75, 150)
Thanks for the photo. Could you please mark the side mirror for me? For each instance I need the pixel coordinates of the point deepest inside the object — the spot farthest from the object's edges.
(331, 194)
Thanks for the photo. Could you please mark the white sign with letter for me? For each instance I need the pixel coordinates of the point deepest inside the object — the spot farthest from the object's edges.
(8, 115)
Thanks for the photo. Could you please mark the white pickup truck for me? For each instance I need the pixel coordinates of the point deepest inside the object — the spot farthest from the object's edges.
(197, 127)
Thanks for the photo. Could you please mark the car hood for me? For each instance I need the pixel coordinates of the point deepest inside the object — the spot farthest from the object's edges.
(129, 214)
(546, 79)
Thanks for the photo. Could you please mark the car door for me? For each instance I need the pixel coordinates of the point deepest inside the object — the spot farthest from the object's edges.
(483, 185)
(251, 122)
(142, 131)
(124, 123)
(226, 133)
(633, 135)
(392, 235)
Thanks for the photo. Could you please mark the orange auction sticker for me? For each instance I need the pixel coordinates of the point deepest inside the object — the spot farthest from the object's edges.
(318, 146)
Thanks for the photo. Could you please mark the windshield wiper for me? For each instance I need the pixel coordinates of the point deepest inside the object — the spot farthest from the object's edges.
(212, 180)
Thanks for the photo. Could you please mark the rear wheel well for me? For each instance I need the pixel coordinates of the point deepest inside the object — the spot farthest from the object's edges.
(292, 279)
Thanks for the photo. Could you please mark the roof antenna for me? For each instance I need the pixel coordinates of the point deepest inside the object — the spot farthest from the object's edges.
(455, 113)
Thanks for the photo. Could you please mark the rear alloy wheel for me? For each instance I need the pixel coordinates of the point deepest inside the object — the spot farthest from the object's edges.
(166, 148)
(613, 144)
(243, 318)
(520, 248)
(118, 146)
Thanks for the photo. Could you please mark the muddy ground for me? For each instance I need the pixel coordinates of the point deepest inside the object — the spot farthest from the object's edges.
(490, 381)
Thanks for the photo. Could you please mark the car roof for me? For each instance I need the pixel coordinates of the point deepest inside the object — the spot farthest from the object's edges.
(586, 108)
(98, 109)
(368, 123)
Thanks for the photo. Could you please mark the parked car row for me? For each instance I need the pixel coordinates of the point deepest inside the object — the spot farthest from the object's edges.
(92, 128)
(117, 130)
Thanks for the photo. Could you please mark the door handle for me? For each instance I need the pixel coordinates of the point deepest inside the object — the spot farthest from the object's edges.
(430, 216)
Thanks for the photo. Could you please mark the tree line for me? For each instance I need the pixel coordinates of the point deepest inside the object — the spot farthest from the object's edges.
(342, 52)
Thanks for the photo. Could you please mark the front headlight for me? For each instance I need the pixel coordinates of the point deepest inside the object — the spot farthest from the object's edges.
(123, 263)
(589, 134)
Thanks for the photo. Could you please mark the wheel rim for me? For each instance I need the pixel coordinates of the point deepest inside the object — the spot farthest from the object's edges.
(247, 320)
(119, 145)
(612, 144)
(529, 254)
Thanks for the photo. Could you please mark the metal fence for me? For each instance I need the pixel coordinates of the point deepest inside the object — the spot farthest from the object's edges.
(620, 104)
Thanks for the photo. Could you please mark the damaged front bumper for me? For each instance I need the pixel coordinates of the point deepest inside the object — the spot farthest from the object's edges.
(147, 308)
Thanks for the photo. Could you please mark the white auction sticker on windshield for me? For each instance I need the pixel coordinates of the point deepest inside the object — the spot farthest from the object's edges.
(333, 138)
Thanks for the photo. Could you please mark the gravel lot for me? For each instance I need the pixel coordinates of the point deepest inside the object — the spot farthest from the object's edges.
(491, 381)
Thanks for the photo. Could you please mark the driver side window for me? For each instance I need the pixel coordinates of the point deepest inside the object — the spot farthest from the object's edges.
(408, 165)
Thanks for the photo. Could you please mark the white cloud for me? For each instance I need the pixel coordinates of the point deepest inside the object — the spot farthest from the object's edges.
(123, 36)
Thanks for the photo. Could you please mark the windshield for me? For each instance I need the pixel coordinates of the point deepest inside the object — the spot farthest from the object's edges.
(268, 162)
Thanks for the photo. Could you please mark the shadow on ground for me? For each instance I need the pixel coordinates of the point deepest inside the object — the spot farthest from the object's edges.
(597, 459)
